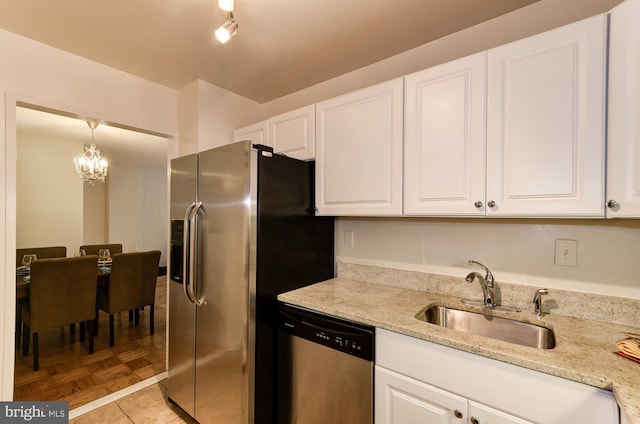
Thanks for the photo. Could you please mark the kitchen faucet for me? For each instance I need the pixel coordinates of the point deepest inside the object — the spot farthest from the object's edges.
(537, 302)
(486, 283)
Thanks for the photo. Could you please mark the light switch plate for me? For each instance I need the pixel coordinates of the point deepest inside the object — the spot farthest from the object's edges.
(348, 238)
(566, 253)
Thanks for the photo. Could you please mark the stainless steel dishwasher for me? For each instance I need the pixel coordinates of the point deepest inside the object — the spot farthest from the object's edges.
(325, 369)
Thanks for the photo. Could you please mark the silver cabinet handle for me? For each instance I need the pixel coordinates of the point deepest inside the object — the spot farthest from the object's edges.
(474, 420)
(478, 204)
(491, 204)
(458, 414)
(612, 204)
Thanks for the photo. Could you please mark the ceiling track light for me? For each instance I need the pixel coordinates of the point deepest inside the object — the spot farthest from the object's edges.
(227, 30)
(226, 5)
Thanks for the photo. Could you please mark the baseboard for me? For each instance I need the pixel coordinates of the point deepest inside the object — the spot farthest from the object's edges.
(117, 395)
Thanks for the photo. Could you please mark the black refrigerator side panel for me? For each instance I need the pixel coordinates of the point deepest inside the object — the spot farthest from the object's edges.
(295, 248)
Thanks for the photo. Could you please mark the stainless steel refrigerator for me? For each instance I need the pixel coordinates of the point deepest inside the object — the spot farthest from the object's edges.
(242, 230)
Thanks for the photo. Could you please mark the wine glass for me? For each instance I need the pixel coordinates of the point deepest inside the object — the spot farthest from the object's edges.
(28, 258)
(103, 254)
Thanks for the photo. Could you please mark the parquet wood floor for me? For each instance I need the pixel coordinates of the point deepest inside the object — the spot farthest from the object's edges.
(67, 371)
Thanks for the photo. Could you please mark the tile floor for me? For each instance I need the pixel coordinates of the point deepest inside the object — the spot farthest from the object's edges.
(146, 406)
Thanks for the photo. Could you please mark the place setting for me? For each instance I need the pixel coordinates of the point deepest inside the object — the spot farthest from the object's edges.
(25, 269)
(104, 260)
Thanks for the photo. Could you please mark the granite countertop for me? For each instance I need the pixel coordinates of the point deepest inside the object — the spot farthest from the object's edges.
(583, 353)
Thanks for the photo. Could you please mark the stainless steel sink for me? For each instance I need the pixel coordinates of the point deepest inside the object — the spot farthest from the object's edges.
(506, 329)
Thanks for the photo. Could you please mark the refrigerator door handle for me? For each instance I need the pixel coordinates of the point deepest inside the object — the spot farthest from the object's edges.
(186, 251)
(192, 260)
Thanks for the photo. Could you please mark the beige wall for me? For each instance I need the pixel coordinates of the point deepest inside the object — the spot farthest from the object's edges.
(95, 213)
(207, 116)
(519, 251)
(137, 213)
(48, 192)
(34, 73)
(126, 207)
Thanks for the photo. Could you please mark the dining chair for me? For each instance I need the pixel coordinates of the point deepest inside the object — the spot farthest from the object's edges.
(41, 253)
(92, 249)
(132, 285)
(61, 291)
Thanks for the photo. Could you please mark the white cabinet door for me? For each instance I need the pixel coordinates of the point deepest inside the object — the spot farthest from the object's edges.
(402, 400)
(444, 144)
(258, 133)
(293, 133)
(516, 391)
(482, 414)
(545, 116)
(624, 110)
(359, 152)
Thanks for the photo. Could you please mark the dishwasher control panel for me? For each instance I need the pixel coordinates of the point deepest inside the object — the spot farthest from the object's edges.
(342, 335)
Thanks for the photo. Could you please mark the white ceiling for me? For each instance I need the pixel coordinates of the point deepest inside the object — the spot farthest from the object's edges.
(282, 46)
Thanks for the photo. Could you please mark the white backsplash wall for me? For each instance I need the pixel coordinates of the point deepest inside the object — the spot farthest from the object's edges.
(519, 251)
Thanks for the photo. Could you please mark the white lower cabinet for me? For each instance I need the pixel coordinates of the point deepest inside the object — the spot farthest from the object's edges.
(403, 400)
(421, 382)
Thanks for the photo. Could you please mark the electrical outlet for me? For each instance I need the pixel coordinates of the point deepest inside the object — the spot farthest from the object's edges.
(566, 252)
(348, 238)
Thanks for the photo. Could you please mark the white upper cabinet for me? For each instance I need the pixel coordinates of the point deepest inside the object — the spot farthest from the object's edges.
(624, 111)
(258, 133)
(293, 133)
(444, 141)
(359, 152)
(545, 123)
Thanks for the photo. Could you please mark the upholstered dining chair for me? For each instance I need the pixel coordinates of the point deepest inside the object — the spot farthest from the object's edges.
(132, 285)
(92, 249)
(61, 291)
(41, 253)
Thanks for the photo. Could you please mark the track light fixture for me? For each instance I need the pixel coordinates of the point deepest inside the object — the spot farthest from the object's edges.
(227, 30)
(226, 5)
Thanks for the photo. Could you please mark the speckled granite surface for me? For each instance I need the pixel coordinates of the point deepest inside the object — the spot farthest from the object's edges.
(584, 347)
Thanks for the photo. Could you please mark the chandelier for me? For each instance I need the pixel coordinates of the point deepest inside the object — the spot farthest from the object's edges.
(90, 165)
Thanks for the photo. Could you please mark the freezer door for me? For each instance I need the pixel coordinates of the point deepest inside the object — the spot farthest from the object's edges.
(223, 364)
(181, 360)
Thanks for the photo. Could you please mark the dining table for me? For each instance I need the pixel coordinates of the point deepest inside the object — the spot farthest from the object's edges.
(22, 291)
